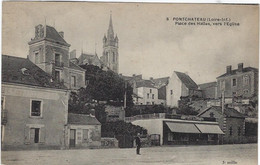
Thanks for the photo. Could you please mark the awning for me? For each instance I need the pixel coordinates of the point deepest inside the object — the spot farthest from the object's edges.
(182, 127)
(209, 129)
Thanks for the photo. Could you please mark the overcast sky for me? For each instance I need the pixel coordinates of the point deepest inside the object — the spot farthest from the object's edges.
(148, 43)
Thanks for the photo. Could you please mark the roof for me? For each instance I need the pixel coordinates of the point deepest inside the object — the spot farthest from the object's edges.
(134, 77)
(81, 119)
(89, 58)
(76, 67)
(189, 83)
(233, 72)
(159, 82)
(207, 85)
(23, 71)
(51, 34)
(229, 112)
(145, 83)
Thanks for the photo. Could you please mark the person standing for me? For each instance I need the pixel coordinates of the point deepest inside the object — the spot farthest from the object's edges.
(138, 144)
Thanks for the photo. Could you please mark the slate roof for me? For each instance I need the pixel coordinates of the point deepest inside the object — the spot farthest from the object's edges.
(81, 119)
(51, 35)
(229, 112)
(189, 83)
(145, 83)
(76, 67)
(207, 85)
(23, 71)
(233, 72)
(159, 82)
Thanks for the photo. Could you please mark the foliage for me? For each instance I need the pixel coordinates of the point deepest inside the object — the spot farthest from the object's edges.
(112, 129)
(106, 86)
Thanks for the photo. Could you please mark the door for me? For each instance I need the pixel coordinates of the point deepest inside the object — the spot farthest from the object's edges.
(72, 137)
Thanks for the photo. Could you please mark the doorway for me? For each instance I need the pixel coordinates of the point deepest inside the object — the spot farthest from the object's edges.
(72, 137)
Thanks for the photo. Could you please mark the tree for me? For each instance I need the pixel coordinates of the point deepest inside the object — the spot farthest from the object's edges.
(106, 86)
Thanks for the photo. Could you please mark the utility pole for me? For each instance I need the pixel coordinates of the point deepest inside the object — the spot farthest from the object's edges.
(125, 95)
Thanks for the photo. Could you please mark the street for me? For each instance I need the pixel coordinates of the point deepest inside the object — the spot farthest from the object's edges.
(244, 154)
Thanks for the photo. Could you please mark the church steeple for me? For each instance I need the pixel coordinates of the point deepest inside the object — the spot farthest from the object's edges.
(110, 48)
(110, 31)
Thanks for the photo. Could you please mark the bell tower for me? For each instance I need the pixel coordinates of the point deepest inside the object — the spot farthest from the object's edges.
(110, 48)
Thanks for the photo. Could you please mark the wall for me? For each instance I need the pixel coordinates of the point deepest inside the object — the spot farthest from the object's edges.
(153, 126)
(234, 123)
(52, 123)
(175, 85)
(94, 135)
(240, 87)
(143, 91)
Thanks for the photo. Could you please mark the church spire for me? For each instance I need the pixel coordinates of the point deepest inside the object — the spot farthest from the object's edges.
(110, 31)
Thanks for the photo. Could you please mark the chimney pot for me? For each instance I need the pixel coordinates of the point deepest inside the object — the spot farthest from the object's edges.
(151, 78)
(133, 75)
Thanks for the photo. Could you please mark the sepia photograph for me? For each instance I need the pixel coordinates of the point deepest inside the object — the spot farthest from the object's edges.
(129, 83)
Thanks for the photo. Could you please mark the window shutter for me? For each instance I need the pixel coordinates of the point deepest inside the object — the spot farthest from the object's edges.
(26, 135)
(32, 135)
(42, 135)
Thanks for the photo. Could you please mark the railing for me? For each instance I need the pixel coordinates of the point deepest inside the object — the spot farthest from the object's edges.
(146, 116)
(3, 116)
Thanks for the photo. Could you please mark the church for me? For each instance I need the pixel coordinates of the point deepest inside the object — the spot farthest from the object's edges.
(110, 57)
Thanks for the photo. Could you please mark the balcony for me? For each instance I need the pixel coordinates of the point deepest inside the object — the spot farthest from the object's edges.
(3, 116)
(59, 64)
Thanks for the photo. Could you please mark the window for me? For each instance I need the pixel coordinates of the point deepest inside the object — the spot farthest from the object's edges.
(222, 84)
(150, 90)
(2, 103)
(37, 58)
(85, 135)
(35, 135)
(147, 103)
(234, 93)
(36, 108)
(57, 75)
(73, 81)
(170, 136)
(114, 57)
(239, 131)
(246, 80)
(230, 131)
(171, 92)
(147, 95)
(234, 82)
(57, 58)
(153, 103)
(152, 96)
(211, 114)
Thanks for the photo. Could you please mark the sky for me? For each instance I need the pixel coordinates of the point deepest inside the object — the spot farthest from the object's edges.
(148, 43)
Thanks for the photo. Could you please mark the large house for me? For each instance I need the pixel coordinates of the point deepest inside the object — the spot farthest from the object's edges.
(49, 51)
(180, 85)
(240, 82)
(34, 108)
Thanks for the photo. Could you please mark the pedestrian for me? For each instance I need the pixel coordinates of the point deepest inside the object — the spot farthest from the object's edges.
(138, 144)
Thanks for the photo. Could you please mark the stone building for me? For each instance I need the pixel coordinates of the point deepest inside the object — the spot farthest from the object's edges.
(34, 108)
(209, 90)
(240, 82)
(110, 56)
(84, 131)
(180, 85)
(231, 122)
(49, 51)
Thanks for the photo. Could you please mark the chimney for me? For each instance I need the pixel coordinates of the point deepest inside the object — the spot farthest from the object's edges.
(240, 67)
(229, 69)
(61, 33)
(151, 78)
(120, 74)
(133, 75)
